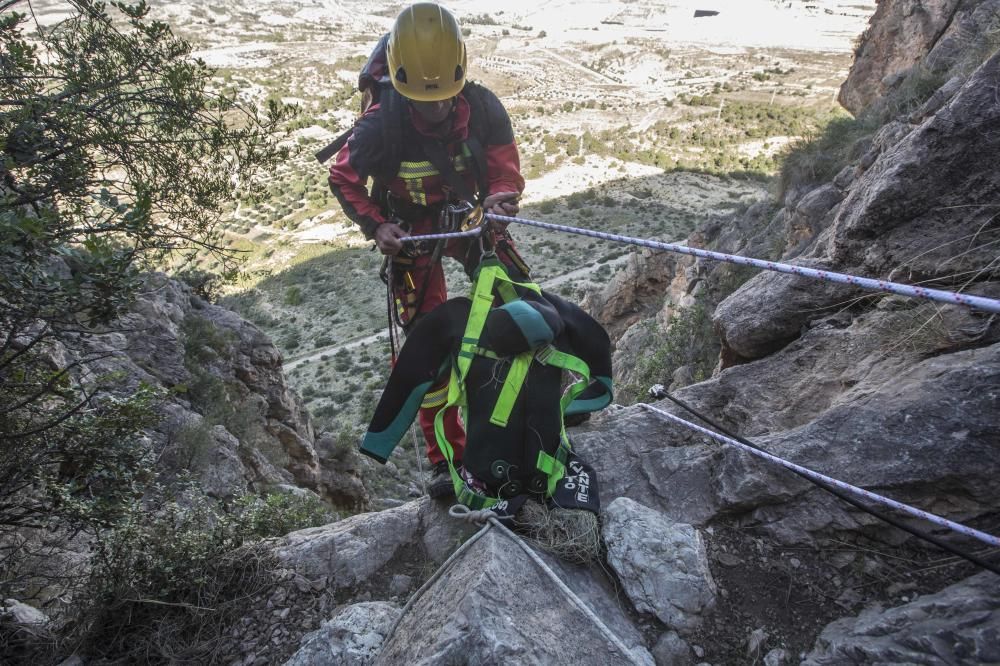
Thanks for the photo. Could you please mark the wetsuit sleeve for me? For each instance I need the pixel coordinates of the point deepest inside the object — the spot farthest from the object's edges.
(355, 162)
(588, 340)
(423, 361)
(503, 163)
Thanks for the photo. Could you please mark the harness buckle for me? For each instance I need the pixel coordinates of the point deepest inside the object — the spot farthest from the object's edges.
(544, 354)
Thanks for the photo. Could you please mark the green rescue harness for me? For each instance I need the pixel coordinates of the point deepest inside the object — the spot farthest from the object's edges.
(491, 276)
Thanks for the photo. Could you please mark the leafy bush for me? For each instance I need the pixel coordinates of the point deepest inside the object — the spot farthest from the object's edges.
(294, 296)
(118, 153)
(168, 583)
(689, 341)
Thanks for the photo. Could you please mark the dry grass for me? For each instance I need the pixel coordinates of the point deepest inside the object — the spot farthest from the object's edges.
(573, 535)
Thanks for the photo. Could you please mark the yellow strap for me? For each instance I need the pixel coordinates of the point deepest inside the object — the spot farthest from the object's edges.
(490, 276)
(511, 388)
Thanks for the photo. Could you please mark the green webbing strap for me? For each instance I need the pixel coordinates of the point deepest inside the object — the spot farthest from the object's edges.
(549, 355)
(491, 273)
(511, 388)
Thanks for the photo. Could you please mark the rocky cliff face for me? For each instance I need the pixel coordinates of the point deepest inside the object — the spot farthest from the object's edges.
(907, 34)
(888, 393)
(720, 558)
(230, 419)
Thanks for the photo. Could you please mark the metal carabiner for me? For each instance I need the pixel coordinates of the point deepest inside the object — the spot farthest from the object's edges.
(484, 252)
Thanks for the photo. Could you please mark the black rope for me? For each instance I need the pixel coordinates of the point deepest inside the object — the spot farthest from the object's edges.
(660, 392)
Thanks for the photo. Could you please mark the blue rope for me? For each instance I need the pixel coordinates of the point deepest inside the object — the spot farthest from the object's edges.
(978, 302)
(455, 234)
(874, 497)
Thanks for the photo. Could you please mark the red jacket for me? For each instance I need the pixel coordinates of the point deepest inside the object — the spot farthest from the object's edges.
(417, 181)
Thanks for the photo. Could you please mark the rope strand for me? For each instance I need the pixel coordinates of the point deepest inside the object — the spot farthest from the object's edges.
(954, 298)
(658, 391)
(988, 539)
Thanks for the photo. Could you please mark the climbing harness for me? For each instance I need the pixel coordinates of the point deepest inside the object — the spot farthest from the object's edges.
(988, 539)
(490, 520)
(491, 279)
(658, 391)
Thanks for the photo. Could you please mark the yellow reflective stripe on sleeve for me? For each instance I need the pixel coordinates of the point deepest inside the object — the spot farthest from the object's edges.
(435, 398)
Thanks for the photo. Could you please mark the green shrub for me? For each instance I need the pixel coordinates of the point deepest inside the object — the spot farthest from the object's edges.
(167, 584)
(819, 158)
(689, 340)
(294, 296)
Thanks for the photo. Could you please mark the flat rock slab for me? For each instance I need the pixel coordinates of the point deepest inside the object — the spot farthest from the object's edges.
(958, 625)
(494, 605)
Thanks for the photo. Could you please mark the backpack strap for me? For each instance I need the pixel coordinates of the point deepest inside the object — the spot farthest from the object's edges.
(479, 135)
(333, 148)
(392, 110)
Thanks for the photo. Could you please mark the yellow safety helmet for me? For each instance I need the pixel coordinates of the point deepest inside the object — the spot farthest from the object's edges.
(426, 53)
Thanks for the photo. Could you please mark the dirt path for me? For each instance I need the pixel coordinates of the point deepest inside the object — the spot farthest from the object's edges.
(579, 67)
(295, 361)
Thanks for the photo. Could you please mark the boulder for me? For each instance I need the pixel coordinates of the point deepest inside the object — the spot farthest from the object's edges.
(769, 310)
(671, 649)
(495, 605)
(352, 637)
(958, 625)
(19, 613)
(346, 556)
(661, 564)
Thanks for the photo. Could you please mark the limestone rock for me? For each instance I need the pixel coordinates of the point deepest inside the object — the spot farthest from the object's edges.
(350, 551)
(652, 463)
(340, 472)
(900, 34)
(770, 310)
(636, 291)
(672, 649)
(903, 215)
(807, 219)
(494, 605)
(778, 657)
(661, 564)
(960, 624)
(347, 555)
(22, 614)
(352, 637)
(835, 403)
(230, 417)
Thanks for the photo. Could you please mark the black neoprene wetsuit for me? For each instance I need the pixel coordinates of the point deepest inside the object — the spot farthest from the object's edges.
(535, 421)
